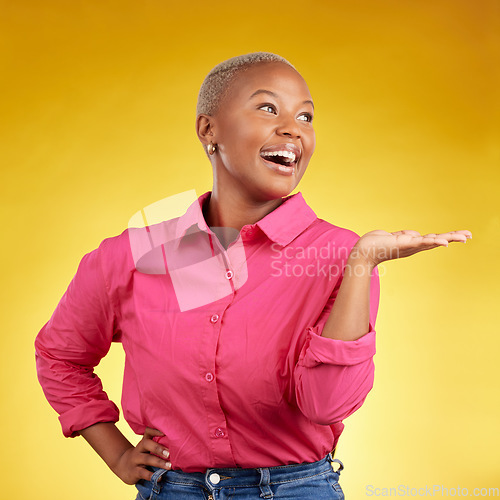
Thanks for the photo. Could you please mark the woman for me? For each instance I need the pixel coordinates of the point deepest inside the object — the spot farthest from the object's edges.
(248, 325)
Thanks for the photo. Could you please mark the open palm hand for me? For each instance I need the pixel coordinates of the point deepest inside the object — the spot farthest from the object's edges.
(378, 246)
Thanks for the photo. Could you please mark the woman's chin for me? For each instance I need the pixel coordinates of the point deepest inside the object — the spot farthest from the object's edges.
(278, 188)
(281, 183)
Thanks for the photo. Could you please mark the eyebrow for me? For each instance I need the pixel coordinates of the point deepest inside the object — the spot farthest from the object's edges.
(273, 94)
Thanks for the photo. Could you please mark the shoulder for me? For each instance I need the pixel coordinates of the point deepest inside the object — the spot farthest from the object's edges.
(319, 230)
(138, 248)
(117, 246)
(113, 255)
(323, 231)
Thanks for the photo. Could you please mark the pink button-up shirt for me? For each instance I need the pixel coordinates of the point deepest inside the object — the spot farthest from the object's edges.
(224, 352)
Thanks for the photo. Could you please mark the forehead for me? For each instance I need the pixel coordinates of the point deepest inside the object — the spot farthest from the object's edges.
(275, 76)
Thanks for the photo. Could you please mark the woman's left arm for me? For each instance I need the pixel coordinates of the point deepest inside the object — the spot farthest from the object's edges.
(350, 315)
(333, 378)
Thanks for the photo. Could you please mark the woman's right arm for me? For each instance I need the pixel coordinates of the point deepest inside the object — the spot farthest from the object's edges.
(74, 340)
(68, 347)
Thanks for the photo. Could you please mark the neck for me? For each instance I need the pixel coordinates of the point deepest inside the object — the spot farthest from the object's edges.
(227, 209)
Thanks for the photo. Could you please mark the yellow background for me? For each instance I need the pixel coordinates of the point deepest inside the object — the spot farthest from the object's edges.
(97, 109)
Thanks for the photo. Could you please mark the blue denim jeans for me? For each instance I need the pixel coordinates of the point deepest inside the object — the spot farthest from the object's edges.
(309, 481)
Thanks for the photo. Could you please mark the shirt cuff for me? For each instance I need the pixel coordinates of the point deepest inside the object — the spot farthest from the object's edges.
(88, 414)
(323, 350)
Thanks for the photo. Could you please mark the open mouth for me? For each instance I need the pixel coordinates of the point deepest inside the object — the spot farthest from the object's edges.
(281, 159)
(287, 158)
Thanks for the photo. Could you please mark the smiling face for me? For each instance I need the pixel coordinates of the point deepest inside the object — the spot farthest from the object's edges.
(263, 131)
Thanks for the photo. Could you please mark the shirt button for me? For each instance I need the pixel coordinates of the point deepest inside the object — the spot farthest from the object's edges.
(214, 478)
(209, 377)
(214, 318)
(219, 432)
(229, 274)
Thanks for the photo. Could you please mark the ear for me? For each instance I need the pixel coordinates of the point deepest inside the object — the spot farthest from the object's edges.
(205, 129)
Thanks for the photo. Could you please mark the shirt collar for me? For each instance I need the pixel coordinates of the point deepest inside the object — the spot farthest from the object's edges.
(281, 226)
(193, 217)
(287, 221)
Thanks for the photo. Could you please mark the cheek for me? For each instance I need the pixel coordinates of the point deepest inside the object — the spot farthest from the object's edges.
(313, 141)
(240, 136)
(310, 143)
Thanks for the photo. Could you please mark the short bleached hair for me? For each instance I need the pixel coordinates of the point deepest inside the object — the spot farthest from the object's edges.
(217, 82)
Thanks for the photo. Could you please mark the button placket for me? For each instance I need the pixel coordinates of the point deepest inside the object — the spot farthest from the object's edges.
(216, 430)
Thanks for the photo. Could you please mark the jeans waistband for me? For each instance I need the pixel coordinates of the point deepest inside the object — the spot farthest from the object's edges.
(215, 478)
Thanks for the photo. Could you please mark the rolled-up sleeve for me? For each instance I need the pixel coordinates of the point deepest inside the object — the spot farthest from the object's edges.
(72, 343)
(333, 377)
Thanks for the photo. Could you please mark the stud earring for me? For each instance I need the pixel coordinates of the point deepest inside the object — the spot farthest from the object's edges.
(211, 148)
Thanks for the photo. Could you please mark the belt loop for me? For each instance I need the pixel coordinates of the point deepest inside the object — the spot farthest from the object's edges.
(156, 478)
(341, 465)
(265, 489)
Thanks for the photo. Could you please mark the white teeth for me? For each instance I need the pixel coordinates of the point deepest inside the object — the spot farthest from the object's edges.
(288, 155)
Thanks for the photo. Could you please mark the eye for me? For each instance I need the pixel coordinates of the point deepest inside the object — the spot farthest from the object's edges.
(269, 108)
(307, 117)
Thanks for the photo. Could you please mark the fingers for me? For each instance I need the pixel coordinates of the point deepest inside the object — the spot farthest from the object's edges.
(459, 235)
(143, 473)
(466, 232)
(444, 238)
(154, 461)
(453, 235)
(433, 240)
(153, 453)
(150, 433)
(151, 446)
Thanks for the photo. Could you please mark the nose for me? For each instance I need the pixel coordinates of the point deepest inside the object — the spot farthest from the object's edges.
(288, 127)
